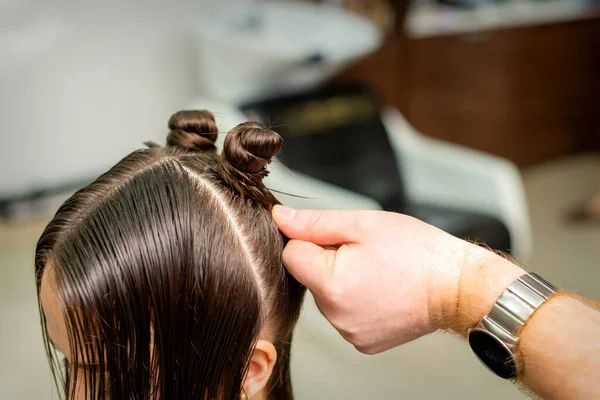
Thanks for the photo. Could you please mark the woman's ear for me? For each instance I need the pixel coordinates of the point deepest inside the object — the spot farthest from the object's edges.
(261, 366)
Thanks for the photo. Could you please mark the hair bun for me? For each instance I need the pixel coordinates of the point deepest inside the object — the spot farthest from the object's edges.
(193, 130)
(248, 149)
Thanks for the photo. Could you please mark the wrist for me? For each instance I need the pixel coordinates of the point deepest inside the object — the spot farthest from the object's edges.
(482, 281)
(483, 276)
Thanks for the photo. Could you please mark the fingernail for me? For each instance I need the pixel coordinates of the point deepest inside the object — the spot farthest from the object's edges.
(283, 213)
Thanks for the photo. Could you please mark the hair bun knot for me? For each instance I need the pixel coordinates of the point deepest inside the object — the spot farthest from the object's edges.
(248, 149)
(193, 130)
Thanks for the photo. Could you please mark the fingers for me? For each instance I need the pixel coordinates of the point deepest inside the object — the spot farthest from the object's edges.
(309, 263)
(324, 227)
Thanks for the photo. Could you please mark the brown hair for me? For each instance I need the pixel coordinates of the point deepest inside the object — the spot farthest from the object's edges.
(169, 265)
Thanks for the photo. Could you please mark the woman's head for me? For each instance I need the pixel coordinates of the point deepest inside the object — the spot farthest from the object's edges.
(163, 278)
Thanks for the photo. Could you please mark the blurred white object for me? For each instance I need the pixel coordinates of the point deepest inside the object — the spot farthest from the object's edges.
(424, 19)
(440, 173)
(78, 93)
(27, 38)
(262, 48)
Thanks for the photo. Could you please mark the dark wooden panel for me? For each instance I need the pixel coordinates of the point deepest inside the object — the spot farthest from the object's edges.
(528, 94)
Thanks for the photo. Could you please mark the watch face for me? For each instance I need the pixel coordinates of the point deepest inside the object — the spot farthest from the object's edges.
(493, 354)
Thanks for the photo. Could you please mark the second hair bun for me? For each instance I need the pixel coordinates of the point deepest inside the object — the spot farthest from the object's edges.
(248, 149)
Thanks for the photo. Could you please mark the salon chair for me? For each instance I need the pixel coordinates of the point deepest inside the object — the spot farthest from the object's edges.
(340, 135)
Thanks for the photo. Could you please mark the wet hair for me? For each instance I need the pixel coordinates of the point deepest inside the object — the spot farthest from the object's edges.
(168, 267)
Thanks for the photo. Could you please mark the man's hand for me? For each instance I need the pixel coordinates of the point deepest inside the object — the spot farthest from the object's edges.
(383, 279)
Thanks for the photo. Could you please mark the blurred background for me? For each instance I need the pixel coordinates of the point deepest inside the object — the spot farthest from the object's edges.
(478, 116)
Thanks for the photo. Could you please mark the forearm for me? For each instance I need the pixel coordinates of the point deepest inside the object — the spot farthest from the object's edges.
(559, 344)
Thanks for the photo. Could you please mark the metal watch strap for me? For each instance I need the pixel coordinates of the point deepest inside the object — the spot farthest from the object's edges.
(515, 306)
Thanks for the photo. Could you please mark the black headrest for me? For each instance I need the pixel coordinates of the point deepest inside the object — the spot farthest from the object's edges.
(336, 134)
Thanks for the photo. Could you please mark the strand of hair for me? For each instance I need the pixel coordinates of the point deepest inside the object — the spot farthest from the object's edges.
(292, 195)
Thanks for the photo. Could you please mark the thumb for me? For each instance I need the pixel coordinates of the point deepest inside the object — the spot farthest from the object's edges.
(309, 263)
(323, 227)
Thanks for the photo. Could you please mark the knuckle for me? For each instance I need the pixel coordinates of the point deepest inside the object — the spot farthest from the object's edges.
(350, 336)
(360, 339)
(366, 349)
(357, 339)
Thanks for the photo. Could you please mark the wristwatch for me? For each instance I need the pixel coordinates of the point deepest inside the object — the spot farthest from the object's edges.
(495, 338)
